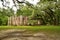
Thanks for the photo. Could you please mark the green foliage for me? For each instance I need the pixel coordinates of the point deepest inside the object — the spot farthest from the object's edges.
(25, 11)
(4, 14)
(51, 11)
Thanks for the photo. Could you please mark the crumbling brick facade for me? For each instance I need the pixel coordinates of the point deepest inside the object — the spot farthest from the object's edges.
(17, 20)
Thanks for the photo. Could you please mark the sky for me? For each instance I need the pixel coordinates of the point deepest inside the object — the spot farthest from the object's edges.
(11, 4)
(34, 2)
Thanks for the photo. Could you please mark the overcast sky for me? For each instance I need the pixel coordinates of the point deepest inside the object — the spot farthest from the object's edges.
(11, 4)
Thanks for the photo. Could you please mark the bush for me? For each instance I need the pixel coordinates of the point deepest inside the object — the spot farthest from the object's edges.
(32, 22)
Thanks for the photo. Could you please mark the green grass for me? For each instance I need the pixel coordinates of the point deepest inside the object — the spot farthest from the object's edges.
(33, 28)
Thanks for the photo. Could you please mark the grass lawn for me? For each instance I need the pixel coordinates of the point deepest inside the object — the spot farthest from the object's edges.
(33, 28)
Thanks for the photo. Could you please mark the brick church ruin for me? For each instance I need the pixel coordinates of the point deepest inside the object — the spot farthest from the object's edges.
(21, 20)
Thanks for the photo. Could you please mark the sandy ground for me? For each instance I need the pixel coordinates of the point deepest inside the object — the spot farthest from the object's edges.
(15, 34)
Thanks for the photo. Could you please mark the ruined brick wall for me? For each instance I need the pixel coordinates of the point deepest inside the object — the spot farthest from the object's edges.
(17, 20)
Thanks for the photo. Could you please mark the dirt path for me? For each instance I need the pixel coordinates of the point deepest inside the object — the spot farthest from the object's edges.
(15, 34)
